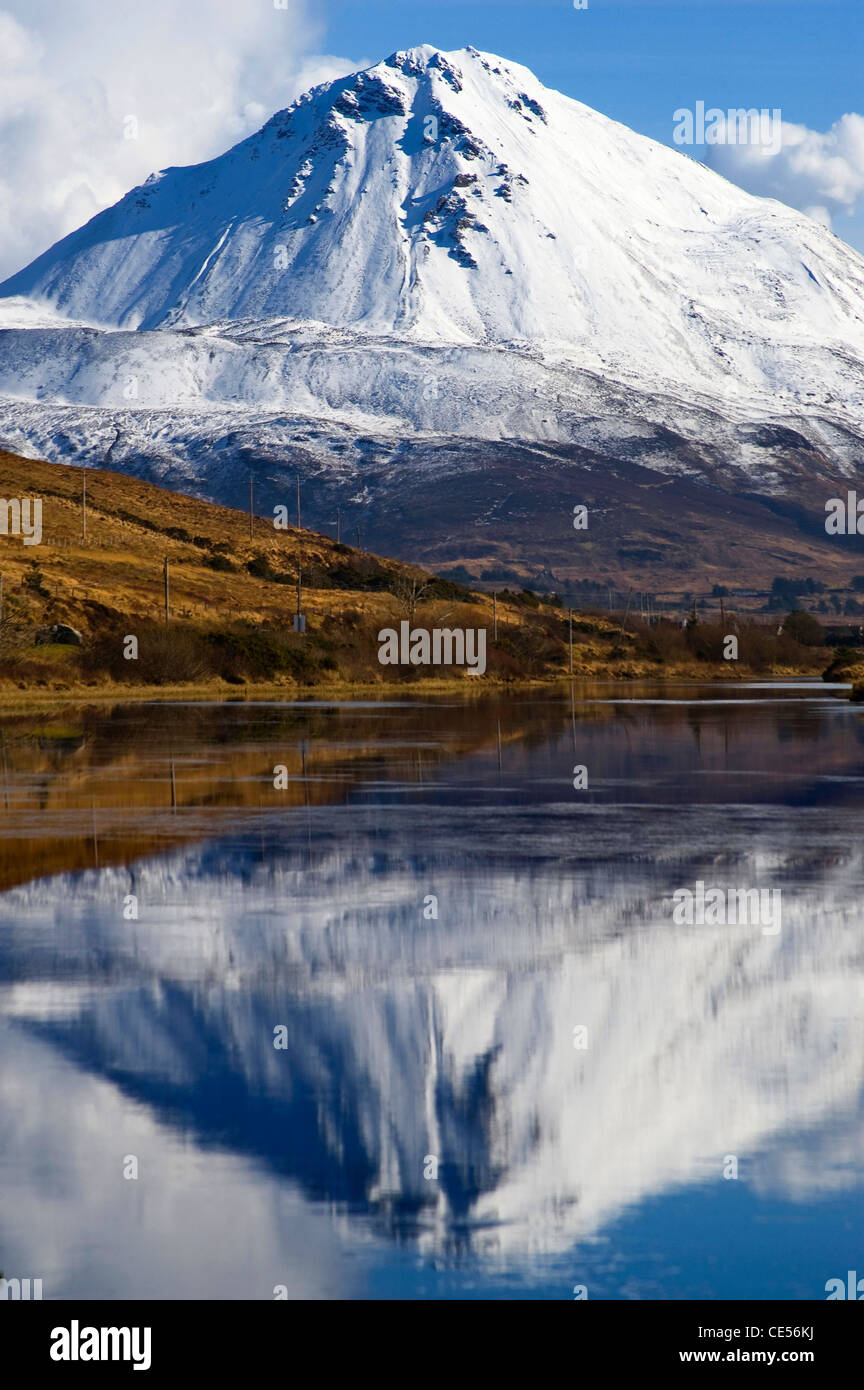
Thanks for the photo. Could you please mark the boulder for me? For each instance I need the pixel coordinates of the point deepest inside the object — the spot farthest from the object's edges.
(58, 633)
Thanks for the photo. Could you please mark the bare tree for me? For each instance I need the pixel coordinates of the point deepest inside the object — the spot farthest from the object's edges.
(409, 592)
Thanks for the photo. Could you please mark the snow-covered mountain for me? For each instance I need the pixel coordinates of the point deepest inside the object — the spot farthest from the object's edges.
(436, 249)
(453, 199)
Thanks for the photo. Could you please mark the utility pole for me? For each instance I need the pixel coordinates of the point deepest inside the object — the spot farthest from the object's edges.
(167, 590)
(83, 504)
(251, 507)
(298, 501)
(299, 619)
(357, 534)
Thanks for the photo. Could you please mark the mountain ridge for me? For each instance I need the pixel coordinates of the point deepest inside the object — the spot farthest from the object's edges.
(410, 215)
(434, 249)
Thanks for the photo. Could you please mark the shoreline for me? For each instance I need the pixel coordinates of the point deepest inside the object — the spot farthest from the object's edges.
(475, 687)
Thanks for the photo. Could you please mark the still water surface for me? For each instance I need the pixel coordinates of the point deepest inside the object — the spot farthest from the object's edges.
(409, 1038)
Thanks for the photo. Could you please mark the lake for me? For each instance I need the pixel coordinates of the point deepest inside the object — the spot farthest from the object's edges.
(369, 1000)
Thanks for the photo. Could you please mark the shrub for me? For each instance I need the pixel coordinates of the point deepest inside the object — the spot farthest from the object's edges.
(260, 567)
(167, 655)
(525, 598)
(804, 628)
(245, 651)
(34, 581)
(844, 659)
(360, 574)
(443, 588)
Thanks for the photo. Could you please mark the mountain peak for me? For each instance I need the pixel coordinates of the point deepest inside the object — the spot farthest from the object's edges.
(423, 69)
(418, 58)
(402, 165)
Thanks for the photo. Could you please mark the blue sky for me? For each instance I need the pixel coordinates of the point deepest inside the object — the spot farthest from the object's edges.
(640, 60)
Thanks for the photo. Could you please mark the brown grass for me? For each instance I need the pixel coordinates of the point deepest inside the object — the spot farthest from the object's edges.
(230, 628)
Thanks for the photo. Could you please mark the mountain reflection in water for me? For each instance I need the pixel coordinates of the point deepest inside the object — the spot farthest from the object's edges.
(410, 1038)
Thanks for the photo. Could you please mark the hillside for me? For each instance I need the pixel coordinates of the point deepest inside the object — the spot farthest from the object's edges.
(232, 598)
(132, 527)
(232, 595)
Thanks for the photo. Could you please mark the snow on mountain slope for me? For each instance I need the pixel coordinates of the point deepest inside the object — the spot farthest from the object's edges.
(451, 198)
(434, 250)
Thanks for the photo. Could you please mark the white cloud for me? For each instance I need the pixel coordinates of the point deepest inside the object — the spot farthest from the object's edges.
(196, 77)
(822, 174)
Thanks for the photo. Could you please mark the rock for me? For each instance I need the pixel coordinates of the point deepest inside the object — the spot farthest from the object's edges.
(59, 633)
